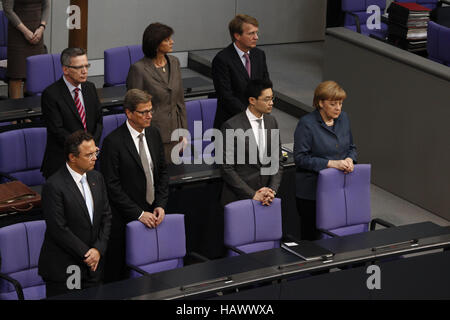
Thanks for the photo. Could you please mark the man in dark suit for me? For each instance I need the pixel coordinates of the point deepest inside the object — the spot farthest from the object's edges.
(252, 153)
(133, 163)
(234, 66)
(68, 105)
(78, 218)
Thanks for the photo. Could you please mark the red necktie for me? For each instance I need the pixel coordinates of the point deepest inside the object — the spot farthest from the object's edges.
(247, 64)
(80, 107)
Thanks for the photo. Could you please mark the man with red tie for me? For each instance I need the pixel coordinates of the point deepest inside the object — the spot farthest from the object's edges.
(68, 105)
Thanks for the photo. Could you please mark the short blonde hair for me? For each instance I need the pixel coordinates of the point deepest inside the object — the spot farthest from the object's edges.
(328, 90)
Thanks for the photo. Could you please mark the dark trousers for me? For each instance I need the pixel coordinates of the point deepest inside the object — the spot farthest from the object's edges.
(307, 212)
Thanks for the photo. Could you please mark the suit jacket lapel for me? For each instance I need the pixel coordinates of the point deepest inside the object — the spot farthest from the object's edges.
(67, 96)
(128, 141)
(73, 188)
(151, 69)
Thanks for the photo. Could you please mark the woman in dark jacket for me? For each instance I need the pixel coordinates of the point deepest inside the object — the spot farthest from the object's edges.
(322, 139)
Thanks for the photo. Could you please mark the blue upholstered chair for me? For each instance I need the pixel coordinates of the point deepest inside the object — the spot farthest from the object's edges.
(438, 43)
(42, 71)
(20, 246)
(343, 202)
(250, 227)
(154, 250)
(356, 17)
(21, 154)
(117, 62)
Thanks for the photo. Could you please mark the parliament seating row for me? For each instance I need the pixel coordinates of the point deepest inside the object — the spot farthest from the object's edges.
(22, 150)
(438, 44)
(343, 208)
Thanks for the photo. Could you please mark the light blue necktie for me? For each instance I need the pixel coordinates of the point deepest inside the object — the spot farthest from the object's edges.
(88, 197)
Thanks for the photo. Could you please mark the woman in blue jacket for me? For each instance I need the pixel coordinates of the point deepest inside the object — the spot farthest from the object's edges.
(322, 139)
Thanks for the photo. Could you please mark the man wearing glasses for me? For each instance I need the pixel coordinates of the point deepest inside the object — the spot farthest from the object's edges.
(134, 167)
(78, 219)
(252, 151)
(234, 66)
(68, 105)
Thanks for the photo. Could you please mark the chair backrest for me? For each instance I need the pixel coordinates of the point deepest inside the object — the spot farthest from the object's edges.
(20, 247)
(250, 226)
(343, 200)
(438, 43)
(42, 71)
(359, 8)
(21, 154)
(3, 36)
(110, 123)
(117, 62)
(158, 249)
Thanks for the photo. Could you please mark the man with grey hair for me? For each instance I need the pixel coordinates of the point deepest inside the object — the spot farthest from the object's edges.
(68, 105)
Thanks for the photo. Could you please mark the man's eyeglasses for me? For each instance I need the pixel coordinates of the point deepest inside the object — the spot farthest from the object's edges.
(93, 154)
(267, 99)
(87, 66)
(145, 112)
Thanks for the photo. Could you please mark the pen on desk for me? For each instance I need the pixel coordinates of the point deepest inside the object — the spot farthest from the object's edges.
(186, 178)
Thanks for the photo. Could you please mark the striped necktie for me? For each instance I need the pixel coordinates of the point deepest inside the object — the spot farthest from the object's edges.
(80, 107)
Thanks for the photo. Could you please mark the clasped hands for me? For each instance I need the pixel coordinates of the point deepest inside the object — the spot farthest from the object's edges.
(34, 37)
(265, 195)
(345, 165)
(152, 219)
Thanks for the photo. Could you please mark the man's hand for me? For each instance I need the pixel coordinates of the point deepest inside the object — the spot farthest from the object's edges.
(92, 258)
(148, 219)
(159, 214)
(265, 196)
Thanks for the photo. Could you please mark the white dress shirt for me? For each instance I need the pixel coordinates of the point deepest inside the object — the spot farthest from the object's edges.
(252, 118)
(77, 178)
(72, 91)
(240, 53)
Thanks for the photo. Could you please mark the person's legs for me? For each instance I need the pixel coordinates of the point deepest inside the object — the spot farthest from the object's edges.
(15, 88)
(307, 212)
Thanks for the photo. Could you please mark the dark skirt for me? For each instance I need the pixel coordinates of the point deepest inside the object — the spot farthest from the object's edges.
(30, 12)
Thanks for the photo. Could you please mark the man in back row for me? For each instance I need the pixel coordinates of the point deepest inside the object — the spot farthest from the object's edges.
(234, 66)
(68, 105)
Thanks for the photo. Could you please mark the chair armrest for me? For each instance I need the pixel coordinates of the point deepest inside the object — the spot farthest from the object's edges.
(137, 269)
(381, 222)
(235, 249)
(328, 233)
(197, 256)
(358, 24)
(15, 283)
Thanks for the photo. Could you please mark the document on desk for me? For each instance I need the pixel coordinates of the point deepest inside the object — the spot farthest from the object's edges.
(307, 250)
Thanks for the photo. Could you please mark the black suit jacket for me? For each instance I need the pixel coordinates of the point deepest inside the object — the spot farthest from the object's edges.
(62, 119)
(70, 233)
(124, 175)
(231, 78)
(241, 181)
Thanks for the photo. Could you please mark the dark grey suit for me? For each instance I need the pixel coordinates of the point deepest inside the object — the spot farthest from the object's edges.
(241, 181)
